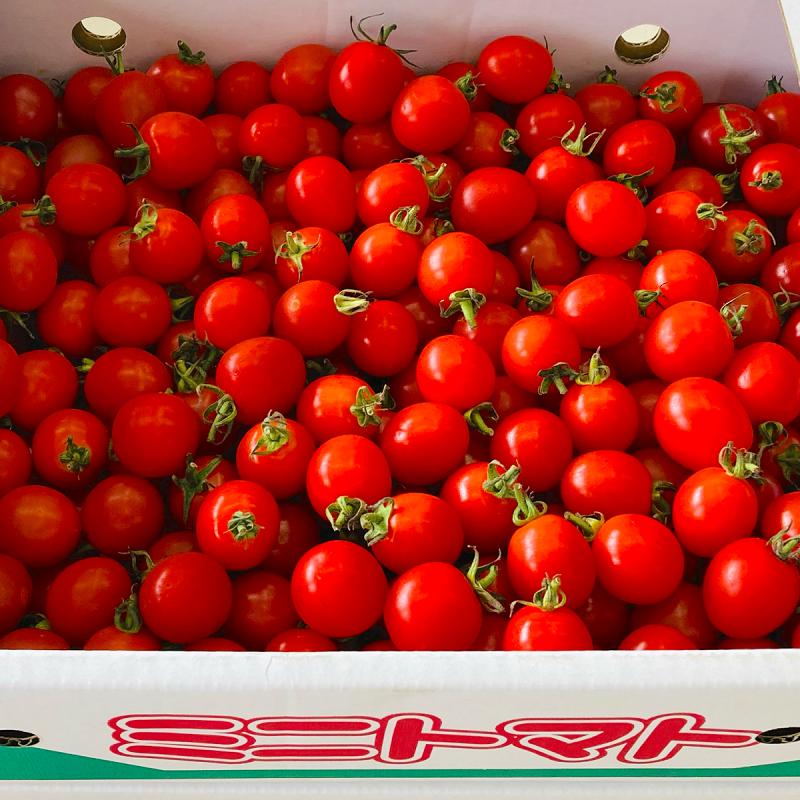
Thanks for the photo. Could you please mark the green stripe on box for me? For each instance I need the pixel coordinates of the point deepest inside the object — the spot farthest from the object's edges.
(37, 764)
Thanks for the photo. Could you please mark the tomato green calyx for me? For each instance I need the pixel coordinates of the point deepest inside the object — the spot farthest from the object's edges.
(466, 302)
(127, 617)
(319, 368)
(587, 524)
(645, 298)
(751, 239)
(786, 302)
(467, 85)
(44, 209)
(557, 376)
(441, 227)
(664, 95)
(774, 85)
(140, 151)
(220, 415)
(431, 173)
(550, 597)
(293, 249)
(739, 462)
(770, 433)
(243, 526)
(192, 362)
(20, 319)
(660, 507)
(528, 508)
(633, 182)
(734, 315)
(147, 222)
(639, 252)
(500, 484)
(491, 601)
(383, 34)
(787, 548)
(557, 83)
(182, 305)
(475, 420)
(405, 219)
(274, 435)
(352, 301)
(194, 482)
(255, 169)
(506, 486)
(37, 621)
(7, 205)
(345, 512)
(508, 140)
(768, 180)
(374, 520)
(136, 556)
(584, 143)
(74, 458)
(537, 298)
(234, 253)
(186, 55)
(608, 75)
(728, 182)
(34, 149)
(594, 371)
(713, 214)
(369, 405)
(736, 142)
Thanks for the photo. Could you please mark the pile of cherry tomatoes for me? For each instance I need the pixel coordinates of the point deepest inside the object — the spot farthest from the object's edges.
(342, 356)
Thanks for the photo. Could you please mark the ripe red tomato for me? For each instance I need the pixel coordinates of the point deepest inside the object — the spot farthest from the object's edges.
(166, 245)
(153, 434)
(740, 246)
(488, 141)
(765, 377)
(493, 321)
(712, 508)
(676, 275)
(112, 638)
(423, 443)
(80, 96)
(65, 319)
(692, 179)
(241, 87)
(770, 180)
(28, 271)
(638, 559)
(20, 180)
(755, 310)
(186, 80)
(127, 99)
(27, 108)
(236, 232)
(131, 312)
(10, 377)
(225, 130)
(273, 133)
(493, 203)
(70, 448)
(733, 589)
(237, 524)
(549, 545)
(476, 94)
(321, 191)
(33, 639)
(121, 513)
(432, 607)
(722, 134)
(782, 514)
(606, 104)
(321, 138)
(638, 148)
(605, 218)
(349, 466)
(15, 461)
(790, 335)
(367, 145)
(83, 597)
(80, 149)
(430, 114)
(262, 374)
(606, 617)
(545, 120)
(302, 640)
(606, 481)
(389, 188)
(229, 311)
(185, 597)
(300, 78)
(780, 112)
(339, 589)
(307, 317)
(672, 98)
(186, 493)
(514, 69)
(16, 588)
(684, 611)
(47, 383)
(680, 221)
(549, 248)
(311, 253)
(696, 417)
(298, 533)
(782, 271)
(262, 608)
(656, 637)
(382, 340)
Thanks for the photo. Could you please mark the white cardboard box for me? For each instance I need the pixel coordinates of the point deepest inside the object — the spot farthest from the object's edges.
(397, 725)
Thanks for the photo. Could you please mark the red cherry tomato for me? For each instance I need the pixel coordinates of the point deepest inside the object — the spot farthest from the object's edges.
(756, 311)
(127, 99)
(27, 108)
(779, 112)
(298, 533)
(186, 80)
(47, 383)
(225, 130)
(303, 640)
(20, 180)
(388, 188)
(80, 96)
(321, 191)
(546, 248)
(740, 127)
(606, 617)
(488, 141)
(131, 312)
(740, 246)
(273, 133)
(383, 339)
(684, 611)
(692, 179)
(515, 69)
(534, 628)
(367, 145)
(640, 147)
(262, 608)
(15, 592)
(606, 105)
(672, 98)
(65, 319)
(656, 637)
(33, 639)
(15, 461)
(236, 232)
(111, 638)
(300, 78)
(166, 245)
(770, 180)
(79, 149)
(229, 311)
(28, 271)
(241, 87)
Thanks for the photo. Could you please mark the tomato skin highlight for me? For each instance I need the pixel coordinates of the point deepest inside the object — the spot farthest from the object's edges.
(533, 628)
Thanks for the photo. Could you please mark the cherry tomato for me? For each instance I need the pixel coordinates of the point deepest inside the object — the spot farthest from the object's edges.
(755, 311)
(65, 319)
(302, 640)
(28, 108)
(476, 94)
(493, 322)
(153, 433)
(225, 130)
(543, 122)
(691, 179)
(171, 544)
(241, 87)
(185, 597)
(15, 592)
(782, 271)
(656, 637)
(638, 559)
(80, 96)
(82, 598)
(127, 99)
(535, 628)
(606, 617)
(538, 441)
(166, 245)
(300, 78)
(298, 533)
(262, 374)
(186, 80)
(311, 253)
(307, 317)
(423, 443)
(383, 339)
(680, 221)
(19, 178)
(432, 607)
(235, 229)
(740, 127)
(15, 461)
(638, 148)
(732, 589)
(606, 104)
(338, 589)
(779, 112)
(81, 149)
(488, 141)
(384, 259)
(367, 145)
(672, 98)
(321, 191)
(514, 69)
(740, 246)
(131, 312)
(605, 218)
(33, 639)
(696, 417)
(48, 382)
(143, 190)
(28, 271)
(683, 611)
(770, 180)
(546, 248)
(111, 638)
(677, 275)
(790, 335)
(273, 133)
(229, 311)
(493, 203)
(388, 188)
(427, 316)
